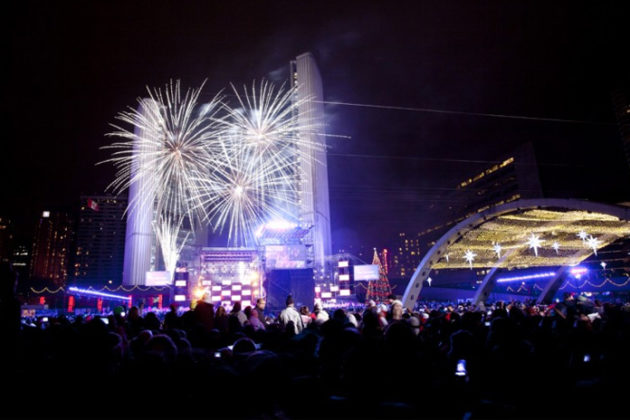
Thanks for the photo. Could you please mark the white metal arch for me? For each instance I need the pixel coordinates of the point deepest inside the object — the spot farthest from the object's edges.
(414, 287)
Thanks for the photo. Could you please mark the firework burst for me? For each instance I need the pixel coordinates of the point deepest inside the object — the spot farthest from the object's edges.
(167, 231)
(231, 166)
(262, 141)
(167, 149)
(265, 123)
(243, 191)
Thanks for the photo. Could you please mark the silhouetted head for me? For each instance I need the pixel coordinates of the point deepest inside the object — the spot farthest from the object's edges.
(243, 346)
(260, 303)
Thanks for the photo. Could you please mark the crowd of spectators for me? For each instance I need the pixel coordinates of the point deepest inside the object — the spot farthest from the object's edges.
(378, 361)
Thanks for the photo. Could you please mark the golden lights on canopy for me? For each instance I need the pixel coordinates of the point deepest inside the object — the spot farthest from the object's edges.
(559, 235)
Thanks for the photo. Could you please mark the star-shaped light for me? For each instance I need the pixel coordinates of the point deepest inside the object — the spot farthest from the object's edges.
(555, 246)
(469, 256)
(603, 264)
(582, 235)
(497, 249)
(593, 243)
(535, 242)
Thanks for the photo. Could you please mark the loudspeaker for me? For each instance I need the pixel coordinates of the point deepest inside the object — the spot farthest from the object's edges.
(298, 283)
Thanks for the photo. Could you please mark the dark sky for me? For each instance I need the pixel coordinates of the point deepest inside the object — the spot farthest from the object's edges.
(74, 65)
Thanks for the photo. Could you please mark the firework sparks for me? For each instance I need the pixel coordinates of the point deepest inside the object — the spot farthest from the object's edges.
(168, 233)
(266, 119)
(168, 149)
(231, 166)
(242, 192)
(260, 147)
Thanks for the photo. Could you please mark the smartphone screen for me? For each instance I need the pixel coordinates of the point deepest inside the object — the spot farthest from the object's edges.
(460, 370)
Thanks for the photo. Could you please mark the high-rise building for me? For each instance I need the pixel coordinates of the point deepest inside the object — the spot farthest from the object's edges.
(6, 239)
(406, 255)
(100, 241)
(509, 179)
(20, 261)
(51, 247)
(139, 237)
(314, 209)
(621, 101)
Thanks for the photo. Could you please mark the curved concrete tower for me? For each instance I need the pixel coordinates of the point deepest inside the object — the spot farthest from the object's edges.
(313, 186)
(139, 237)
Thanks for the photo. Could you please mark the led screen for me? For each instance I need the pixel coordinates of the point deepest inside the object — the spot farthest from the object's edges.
(366, 272)
(285, 256)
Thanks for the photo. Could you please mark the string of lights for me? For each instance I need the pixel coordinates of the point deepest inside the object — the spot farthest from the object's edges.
(588, 283)
(110, 289)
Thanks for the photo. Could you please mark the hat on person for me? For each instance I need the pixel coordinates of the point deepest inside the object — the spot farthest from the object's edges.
(396, 302)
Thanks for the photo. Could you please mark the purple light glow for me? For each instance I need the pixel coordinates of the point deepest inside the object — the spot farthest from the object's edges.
(95, 293)
(527, 277)
(578, 272)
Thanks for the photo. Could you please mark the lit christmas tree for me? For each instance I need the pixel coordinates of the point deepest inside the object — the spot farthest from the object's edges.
(378, 290)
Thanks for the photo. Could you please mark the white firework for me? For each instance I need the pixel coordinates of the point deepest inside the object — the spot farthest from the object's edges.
(242, 192)
(234, 170)
(168, 233)
(167, 149)
(257, 168)
(265, 122)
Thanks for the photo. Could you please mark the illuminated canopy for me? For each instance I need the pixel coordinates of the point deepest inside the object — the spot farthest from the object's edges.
(530, 233)
(513, 231)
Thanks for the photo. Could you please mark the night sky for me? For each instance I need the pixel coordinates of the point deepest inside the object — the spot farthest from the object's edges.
(74, 65)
